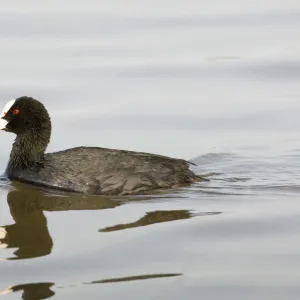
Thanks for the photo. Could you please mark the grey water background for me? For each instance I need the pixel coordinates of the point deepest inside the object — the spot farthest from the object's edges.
(216, 82)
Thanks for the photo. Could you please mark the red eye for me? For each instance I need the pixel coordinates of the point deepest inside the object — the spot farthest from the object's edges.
(15, 111)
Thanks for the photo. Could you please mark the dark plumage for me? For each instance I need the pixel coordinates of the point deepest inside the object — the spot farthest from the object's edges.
(90, 170)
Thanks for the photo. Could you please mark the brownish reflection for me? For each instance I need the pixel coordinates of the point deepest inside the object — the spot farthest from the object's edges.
(138, 277)
(32, 291)
(158, 216)
(30, 234)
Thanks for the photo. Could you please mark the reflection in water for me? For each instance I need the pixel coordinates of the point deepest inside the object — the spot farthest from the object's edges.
(36, 291)
(158, 216)
(30, 234)
(32, 291)
(138, 277)
(3, 234)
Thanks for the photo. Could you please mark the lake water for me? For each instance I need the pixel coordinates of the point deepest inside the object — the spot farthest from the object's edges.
(216, 82)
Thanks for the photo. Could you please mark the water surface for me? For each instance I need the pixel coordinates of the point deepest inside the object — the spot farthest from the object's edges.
(215, 82)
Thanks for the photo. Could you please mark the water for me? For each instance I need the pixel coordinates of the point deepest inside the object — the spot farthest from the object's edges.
(215, 82)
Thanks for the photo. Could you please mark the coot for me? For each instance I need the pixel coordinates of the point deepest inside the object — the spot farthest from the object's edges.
(89, 170)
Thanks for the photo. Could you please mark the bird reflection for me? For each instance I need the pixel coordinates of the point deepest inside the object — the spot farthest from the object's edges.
(32, 290)
(158, 216)
(135, 278)
(30, 234)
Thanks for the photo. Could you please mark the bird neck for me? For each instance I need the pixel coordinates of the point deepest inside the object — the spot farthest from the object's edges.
(29, 149)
